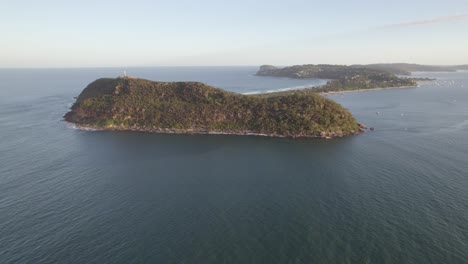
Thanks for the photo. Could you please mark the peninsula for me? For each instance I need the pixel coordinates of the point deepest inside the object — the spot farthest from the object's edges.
(409, 68)
(196, 108)
(341, 77)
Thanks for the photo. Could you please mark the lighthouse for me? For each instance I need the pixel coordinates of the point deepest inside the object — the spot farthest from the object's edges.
(125, 74)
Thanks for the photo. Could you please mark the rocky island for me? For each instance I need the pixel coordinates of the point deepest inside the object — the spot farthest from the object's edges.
(196, 108)
(341, 77)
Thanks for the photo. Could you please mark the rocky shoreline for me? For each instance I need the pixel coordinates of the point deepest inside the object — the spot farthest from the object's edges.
(323, 135)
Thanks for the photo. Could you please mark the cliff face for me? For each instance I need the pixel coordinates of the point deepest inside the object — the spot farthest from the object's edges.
(192, 107)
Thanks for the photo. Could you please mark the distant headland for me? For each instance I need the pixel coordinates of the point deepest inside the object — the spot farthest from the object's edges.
(342, 77)
(409, 68)
(195, 108)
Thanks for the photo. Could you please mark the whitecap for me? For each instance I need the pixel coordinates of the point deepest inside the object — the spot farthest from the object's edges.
(82, 128)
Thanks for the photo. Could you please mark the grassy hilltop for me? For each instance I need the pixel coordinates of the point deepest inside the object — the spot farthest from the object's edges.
(193, 107)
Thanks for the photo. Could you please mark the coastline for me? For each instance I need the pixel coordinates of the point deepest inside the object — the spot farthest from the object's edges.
(371, 89)
(322, 135)
(294, 89)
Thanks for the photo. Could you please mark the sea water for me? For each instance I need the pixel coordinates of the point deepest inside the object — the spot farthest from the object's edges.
(398, 194)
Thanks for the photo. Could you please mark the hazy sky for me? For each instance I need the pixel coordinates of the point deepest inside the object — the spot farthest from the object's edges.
(82, 33)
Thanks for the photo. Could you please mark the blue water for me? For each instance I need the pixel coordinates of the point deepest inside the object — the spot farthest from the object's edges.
(395, 195)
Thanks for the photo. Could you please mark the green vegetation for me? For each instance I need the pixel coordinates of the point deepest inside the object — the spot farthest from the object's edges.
(365, 82)
(342, 78)
(192, 107)
(319, 71)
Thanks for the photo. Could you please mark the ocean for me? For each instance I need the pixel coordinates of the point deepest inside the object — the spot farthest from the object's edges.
(398, 194)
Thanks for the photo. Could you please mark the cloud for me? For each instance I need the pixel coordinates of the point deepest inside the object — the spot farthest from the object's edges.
(438, 20)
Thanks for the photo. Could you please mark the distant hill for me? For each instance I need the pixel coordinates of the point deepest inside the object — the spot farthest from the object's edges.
(407, 68)
(342, 78)
(192, 107)
(319, 71)
(461, 67)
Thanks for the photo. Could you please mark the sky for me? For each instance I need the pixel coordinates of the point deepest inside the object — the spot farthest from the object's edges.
(102, 33)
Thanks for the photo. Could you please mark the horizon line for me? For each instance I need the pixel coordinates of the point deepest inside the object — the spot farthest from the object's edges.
(207, 66)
